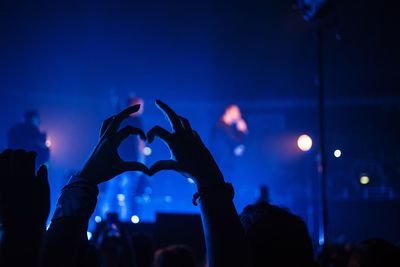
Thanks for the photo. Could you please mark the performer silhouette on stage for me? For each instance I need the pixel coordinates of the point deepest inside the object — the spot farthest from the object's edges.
(228, 138)
(27, 135)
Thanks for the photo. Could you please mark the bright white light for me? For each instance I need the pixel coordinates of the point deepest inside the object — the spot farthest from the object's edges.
(97, 219)
(48, 143)
(364, 179)
(337, 153)
(190, 180)
(147, 151)
(239, 150)
(89, 235)
(47, 227)
(121, 197)
(135, 219)
(304, 142)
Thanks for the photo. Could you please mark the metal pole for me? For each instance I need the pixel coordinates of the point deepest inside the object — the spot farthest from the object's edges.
(323, 214)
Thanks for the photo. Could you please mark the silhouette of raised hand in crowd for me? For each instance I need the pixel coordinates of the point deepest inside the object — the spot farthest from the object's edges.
(24, 207)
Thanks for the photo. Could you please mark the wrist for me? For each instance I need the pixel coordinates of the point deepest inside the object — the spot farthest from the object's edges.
(216, 191)
(209, 180)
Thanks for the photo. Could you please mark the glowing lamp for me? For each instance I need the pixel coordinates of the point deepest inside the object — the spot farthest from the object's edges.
(364, 179)
(337, 153)
(135, 219)
(304, 142)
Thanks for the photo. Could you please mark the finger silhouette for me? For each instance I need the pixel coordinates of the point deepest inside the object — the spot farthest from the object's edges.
(42, 178)
(30, 161)
(172, 117)
(160, 132)
(165, 165)
(116, 122)
(133, 166)
(105, 125)
(186, 124)
(127, 131)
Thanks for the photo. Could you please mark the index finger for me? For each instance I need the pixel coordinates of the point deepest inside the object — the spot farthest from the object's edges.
(116, 122)
(172, 117)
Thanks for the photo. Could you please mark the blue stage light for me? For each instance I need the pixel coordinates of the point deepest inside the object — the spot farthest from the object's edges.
(97, 219)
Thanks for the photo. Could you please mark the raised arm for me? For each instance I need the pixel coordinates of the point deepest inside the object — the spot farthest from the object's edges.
(225, 240)
(66, 238)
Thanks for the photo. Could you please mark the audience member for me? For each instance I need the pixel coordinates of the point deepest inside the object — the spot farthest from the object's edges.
(174, 256)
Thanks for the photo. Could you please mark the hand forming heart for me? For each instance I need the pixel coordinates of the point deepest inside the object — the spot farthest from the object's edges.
(189, 155)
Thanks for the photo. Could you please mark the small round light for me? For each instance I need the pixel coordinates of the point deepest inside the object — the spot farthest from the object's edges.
(97, 219)
(190, 180)
(48, 143)
(337, 153)
(89, 235)
(121, 197)
(135, 219)
(304, 142)
(147, 151)
(364, 179)
(239, 150)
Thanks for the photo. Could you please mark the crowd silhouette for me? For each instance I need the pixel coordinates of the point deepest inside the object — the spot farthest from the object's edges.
(262, 235)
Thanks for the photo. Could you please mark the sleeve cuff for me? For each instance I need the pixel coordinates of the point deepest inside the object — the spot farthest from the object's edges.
(78, 199)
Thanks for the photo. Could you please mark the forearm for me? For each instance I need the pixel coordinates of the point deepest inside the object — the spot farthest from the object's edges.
(224, 235)
(67, 233)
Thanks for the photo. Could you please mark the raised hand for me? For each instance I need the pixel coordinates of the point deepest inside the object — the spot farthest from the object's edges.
(104, 163)
(189, 155)
(24, 194)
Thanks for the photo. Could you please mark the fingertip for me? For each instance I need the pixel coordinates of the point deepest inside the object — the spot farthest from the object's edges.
(137, 107)
(150, 136)
(142, 136)
(42, 170)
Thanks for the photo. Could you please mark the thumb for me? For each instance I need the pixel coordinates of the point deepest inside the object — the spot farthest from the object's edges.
(42, 179)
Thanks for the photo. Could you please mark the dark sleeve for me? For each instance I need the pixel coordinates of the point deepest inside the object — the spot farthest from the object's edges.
(66, 238)
(224, 234)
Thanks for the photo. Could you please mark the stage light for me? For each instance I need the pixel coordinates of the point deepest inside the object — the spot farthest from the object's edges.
(135, 219)
(190, 180)
(239, 150)
(304, 142)
(89, 235)
(337, 153)
(364, 179)
(241, 126)
(121, 197)
(147, 151)
(48, 143)
(97, 219)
